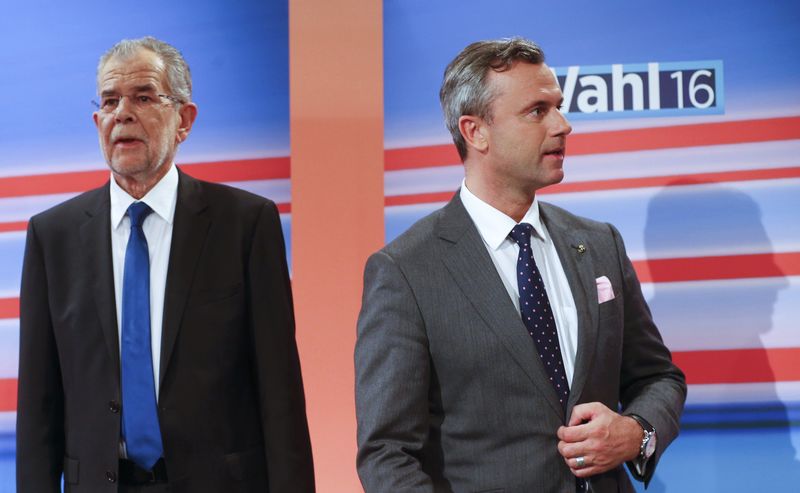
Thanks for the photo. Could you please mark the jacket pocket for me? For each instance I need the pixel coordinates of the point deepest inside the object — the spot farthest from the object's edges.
(244, 465)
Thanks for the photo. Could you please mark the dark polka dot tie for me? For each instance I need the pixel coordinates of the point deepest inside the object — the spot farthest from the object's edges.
(537, 314)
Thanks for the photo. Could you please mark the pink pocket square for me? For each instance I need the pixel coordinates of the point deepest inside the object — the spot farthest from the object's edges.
(604, 290)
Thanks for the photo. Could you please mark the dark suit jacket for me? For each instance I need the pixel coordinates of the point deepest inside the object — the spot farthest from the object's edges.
(450, 393)
(231, 404)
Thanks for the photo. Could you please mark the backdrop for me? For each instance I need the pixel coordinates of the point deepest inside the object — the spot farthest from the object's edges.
(687, 132)
(686, 121)
(238, 53)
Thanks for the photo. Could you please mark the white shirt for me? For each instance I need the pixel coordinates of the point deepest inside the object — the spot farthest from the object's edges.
(157, 229)
(494, 227)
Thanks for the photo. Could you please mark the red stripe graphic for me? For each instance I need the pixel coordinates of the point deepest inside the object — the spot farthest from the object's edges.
(8, 394)
(740, 365)
(9, 308)
(581, 186)
(283, 208)
(720, 267)
(622, 183)
(13, 226)
(637, 139)
(729, 366)
(675, 180)
(703, 134)
(79, 181)
(654, 270)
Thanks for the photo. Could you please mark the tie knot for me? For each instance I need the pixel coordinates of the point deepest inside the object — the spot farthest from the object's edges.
(521, 233)
(137, 212)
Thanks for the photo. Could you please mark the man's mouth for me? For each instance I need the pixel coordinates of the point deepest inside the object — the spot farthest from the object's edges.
(556, 153)
(126, 141)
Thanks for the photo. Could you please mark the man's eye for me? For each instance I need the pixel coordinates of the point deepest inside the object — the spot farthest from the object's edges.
(536, 111)
(109, 102)
(144, 99)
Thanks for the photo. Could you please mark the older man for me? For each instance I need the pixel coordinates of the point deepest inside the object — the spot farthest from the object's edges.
(157, 348)
(504, 344)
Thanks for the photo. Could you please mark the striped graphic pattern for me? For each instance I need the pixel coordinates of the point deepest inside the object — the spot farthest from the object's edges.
(708, 211)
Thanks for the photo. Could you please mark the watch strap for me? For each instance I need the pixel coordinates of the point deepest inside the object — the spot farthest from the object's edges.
(648, 430)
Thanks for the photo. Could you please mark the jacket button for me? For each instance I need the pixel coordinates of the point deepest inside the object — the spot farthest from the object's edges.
(113, 406)
(111, 477)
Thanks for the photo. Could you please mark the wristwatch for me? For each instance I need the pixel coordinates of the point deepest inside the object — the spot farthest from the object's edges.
(648, 446)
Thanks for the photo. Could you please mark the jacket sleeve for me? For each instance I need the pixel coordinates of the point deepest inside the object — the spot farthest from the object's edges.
(651, 385)
(392, 364)
(40, 405)
(282, 402)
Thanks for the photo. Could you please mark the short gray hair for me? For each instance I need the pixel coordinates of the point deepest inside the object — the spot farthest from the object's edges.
(464, 90)
(179, 78)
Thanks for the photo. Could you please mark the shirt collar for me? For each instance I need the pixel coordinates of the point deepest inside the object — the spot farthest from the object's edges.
(161, 198)
(493, 225)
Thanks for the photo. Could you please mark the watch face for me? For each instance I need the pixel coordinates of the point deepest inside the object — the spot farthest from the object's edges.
(650, 447)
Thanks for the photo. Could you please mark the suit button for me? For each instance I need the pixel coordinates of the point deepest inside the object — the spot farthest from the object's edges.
(111, 477)
(113, 406)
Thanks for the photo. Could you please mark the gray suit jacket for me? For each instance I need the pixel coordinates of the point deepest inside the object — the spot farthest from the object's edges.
(450, 395)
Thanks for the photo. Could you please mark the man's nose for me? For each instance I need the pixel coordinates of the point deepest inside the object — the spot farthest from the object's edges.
(561, 125)
(124, 110)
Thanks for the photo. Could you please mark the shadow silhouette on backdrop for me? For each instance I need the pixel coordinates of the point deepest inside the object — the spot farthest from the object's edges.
(746, 445)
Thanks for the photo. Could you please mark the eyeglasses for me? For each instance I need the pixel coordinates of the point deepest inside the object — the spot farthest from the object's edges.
(140, 102)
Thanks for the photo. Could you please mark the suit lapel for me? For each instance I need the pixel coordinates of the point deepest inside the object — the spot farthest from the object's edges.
(189, 232)
(96, 239)
(475, 274)
(577, 264)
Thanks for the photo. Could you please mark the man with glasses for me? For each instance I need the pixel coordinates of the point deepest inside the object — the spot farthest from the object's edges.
(157, 348)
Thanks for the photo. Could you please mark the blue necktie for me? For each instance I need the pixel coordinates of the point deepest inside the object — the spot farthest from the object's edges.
(139, 415)
(537, 314)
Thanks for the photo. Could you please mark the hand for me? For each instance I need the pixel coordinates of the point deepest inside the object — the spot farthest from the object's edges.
(602, 437)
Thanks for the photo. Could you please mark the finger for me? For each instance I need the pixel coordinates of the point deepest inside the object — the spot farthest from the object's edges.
(581, 413)
(575, 433)
(571, 450)
(580, 462)
(585, 472)
(583, 469)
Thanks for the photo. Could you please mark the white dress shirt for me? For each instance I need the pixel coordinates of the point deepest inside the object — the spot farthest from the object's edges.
(494, 227)
(157, 229)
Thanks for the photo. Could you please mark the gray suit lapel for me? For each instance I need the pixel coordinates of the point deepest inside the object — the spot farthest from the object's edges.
(577, 264)
(475, 274)
(96, 239)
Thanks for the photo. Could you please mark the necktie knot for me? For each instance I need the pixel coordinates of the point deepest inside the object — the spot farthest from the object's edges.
(521, 233)
(137, 212)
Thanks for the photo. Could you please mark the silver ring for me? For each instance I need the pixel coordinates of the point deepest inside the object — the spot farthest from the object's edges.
(580, 461)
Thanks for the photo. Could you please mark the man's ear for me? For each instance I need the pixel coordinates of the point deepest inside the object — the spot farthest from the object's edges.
(187, 113)
(473, 129)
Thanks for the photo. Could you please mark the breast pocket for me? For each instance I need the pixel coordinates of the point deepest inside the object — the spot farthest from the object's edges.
(215, 295)
(610, 309)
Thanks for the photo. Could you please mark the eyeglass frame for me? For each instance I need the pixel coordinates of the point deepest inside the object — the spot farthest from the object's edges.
(98, 106)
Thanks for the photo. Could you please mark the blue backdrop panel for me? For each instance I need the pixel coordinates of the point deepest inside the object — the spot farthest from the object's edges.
(238, 54)
(720, 193)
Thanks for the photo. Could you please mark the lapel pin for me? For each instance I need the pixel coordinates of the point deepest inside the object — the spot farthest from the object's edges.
(580, 248)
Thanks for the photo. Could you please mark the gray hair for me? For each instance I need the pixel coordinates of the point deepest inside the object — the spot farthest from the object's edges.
(464, 90)
(179, 79)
